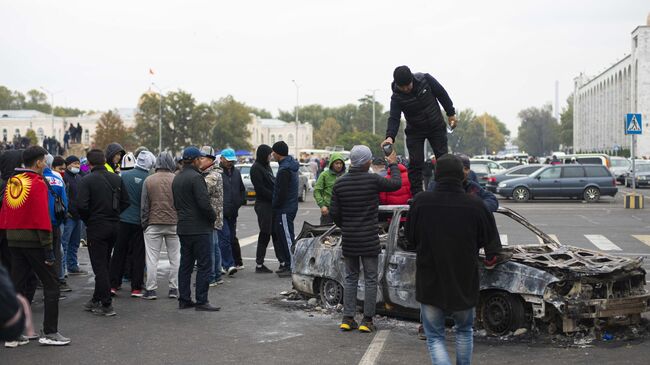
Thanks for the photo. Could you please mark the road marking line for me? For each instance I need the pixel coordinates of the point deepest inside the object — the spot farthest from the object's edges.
(643, 238)
(243, 242)
(602, 242)
(253, 259)
(374, 350)
(504, 239)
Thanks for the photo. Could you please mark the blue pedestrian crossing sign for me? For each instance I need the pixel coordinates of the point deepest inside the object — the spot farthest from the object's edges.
(633, 124)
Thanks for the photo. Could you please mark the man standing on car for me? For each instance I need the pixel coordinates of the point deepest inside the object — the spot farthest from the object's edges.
(195, 225)
(417, 96)
(285, 204)
(264, 183)
(354, 208)
(448, 227)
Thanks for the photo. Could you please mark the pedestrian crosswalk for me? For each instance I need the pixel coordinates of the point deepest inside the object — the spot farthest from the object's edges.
(624, 243)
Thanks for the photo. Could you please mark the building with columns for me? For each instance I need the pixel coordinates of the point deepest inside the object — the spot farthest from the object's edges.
(18, 122)
(269, 131)
(601, 102)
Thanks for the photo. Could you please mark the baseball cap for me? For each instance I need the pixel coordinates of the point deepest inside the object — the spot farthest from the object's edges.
(229, 154)
(208, 152)
(191, 153)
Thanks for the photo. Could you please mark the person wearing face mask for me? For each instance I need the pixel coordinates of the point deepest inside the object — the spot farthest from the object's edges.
(72, 227)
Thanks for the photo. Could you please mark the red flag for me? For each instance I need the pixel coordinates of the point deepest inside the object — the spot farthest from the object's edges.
(150, 71)
(25, 203)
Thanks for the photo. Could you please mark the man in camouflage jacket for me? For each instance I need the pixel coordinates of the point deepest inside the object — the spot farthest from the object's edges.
(213, 179)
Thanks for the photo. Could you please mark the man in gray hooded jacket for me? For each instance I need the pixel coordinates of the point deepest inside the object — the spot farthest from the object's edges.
(159, 219)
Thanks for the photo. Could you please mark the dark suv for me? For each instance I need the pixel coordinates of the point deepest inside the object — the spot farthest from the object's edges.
(586, 182)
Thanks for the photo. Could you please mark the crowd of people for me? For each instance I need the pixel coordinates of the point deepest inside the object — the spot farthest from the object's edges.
(127, 205)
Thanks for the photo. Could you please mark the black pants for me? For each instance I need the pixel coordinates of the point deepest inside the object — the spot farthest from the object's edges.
(24, 263)
(234, 242)
(415, 144)
(129, 238)
(5, 254)
(283, 226)
(195, 248)
(264, 213)
(101, 238)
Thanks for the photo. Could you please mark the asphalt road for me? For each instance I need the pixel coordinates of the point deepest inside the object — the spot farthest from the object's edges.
(256, 327)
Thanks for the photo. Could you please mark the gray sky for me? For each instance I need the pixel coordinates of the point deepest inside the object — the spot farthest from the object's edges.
(494, 56)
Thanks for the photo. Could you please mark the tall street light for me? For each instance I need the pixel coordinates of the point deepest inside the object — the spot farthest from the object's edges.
(373, 110)
(296, 113)
(159, 117)
(52, 111)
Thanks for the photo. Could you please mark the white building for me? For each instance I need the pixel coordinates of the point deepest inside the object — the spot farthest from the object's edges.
(18, 122)
(269, 131)
(600, 103)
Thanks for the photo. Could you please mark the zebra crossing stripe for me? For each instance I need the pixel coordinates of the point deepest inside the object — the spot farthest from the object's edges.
(504, 239)
(554, 237)
(643, 238)
(602, 242)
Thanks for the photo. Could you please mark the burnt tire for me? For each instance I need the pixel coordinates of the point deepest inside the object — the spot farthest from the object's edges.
(521, 194)
(501, 312)
(331, 293)
(591, 194)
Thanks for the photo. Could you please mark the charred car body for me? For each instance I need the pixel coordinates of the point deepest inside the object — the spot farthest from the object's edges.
(565, 287)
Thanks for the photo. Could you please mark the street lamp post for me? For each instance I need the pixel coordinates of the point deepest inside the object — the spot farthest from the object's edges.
(296, 114)
(52, 111)
(159, 117)
(485, 134)
(373, 110)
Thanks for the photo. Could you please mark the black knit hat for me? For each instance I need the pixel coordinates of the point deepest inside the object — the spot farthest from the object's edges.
(72, 159)
(449, 167)
(281, 148)
(465, 160)
(402, 76)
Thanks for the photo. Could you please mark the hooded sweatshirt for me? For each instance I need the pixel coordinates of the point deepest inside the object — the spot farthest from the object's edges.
(134, 180)
(326, 180)
(157, 197)
(262, 175)
(285, 191)
(112, 150)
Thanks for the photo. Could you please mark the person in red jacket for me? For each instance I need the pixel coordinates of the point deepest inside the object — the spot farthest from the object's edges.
(401, 196)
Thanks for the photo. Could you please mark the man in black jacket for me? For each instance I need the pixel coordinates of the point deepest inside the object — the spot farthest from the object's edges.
(263, 182)
(72, 227)
(417, 96)
(448, 227)
(102, 197)
(195, 224)
(354, 208)
(234, 195)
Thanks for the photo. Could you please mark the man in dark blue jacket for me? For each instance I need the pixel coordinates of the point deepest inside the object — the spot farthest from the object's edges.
(234, 195)
(417, 96)
(472, 187)
(263, 182)
(72, 227)
(285, 204)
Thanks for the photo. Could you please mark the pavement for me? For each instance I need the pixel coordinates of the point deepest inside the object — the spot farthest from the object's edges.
(256, 326)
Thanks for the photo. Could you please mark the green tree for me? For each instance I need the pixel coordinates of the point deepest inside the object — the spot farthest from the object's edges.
(566, 123)
(33, 139)
(349, 139)
(262, 113)
(6, 98)
(230, 129)
(67, 112)
(538, 132)
(37, 100)
(327, 134)
(146, 123)
(111, 128)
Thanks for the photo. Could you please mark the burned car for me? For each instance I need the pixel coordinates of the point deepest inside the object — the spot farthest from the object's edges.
(559, 286)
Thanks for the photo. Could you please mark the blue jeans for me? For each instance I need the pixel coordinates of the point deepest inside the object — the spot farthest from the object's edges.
(227, 260)
(215, 274)
(70, 242)
(433, 320)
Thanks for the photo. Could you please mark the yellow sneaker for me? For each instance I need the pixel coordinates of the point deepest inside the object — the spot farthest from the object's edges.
(348, 324)
(367, 326)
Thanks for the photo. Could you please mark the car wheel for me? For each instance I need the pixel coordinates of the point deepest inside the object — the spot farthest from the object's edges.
(591, 194)
(501, 312)
(521, 194)
(331, 293)
(303, 194)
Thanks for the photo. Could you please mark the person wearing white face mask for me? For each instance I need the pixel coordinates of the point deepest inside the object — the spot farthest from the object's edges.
(72, 227)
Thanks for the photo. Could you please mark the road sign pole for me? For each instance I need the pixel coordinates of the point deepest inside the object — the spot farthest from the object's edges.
(633, 164)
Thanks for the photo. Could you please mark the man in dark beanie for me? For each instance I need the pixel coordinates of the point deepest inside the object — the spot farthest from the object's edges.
(72, 226)
(448, 227)
(285, 204)
(417, 96)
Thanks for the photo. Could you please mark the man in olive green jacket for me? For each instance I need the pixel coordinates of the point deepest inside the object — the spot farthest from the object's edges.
(325, 184)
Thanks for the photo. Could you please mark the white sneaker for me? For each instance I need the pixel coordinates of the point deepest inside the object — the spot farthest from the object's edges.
(53, 339)
(22, 340)
(241, 267)
(232, 270)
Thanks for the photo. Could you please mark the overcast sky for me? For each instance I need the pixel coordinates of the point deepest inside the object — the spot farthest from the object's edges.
(493, 56)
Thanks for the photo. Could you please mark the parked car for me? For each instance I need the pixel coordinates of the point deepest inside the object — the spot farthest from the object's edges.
(494, 167)
(482, 172)
(620, 165)
(507, 164)
(623, 179)
(244, 169)
(642, 176)
(587, 158)
(543, 283)
(588, 182)
(305, 169)
(493, 180)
